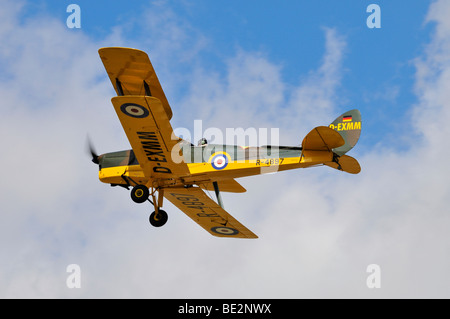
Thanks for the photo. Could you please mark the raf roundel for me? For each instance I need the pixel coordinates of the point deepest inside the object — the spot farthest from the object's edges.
(134, 110)
(225, 231)
(219, 161)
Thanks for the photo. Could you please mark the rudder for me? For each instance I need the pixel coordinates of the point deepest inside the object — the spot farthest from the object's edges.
(348, 125)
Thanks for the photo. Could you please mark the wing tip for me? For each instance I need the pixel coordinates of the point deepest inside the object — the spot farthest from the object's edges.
(123, 49)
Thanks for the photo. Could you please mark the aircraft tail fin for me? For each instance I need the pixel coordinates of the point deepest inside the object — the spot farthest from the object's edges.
(348, 125)
(329, 144)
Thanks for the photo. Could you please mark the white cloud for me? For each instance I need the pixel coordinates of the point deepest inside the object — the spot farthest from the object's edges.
(318, 228)
(253, 94)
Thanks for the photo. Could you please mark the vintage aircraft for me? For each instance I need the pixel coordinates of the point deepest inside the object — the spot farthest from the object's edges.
(162, 165)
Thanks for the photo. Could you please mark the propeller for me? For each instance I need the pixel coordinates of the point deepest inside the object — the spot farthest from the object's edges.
(95, 156)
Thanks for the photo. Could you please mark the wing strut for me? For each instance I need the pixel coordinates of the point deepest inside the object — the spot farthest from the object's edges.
(119, 87)
(217, 191)
(147, 89)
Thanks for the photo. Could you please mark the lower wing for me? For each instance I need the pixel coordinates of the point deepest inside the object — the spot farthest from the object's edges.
(206, 212)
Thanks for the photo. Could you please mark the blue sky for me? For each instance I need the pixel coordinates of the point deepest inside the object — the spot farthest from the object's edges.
(290, 34)
(290, 65)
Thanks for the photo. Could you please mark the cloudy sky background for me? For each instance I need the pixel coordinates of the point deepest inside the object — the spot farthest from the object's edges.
(290, 66)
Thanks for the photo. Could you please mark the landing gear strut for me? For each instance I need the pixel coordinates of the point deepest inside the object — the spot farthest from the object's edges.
(140, 193)
(159, 217)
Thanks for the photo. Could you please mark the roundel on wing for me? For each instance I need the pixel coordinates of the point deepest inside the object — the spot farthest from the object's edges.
(134, 110)
(219, 161)
(228, 231)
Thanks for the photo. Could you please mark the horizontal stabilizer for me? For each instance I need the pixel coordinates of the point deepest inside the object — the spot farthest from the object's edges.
(346, 163)
(322, 138)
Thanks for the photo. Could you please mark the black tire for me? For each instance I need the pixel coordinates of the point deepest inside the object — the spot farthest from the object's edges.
(162, 218)
(139, 194)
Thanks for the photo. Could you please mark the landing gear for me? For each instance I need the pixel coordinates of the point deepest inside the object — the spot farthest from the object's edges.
(158, 220)
(139, 193)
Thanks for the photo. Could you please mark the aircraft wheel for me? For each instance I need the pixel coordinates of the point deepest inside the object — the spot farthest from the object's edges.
(139, 193)
(162, 218)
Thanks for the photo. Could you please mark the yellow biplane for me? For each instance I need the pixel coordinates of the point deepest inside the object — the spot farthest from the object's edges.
(161, 165)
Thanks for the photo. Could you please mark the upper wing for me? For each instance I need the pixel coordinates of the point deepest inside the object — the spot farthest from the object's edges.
(131, 73)
(206, 212)
(151, 136)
